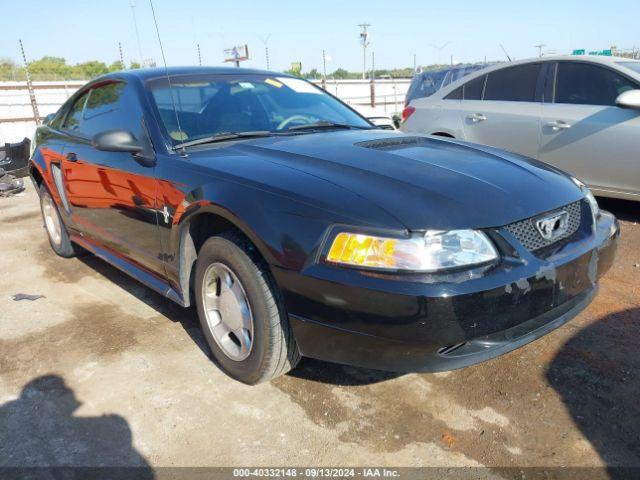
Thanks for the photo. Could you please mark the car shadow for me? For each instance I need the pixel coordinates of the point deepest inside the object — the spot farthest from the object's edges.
(606, 118)
(597, 375)
(39, 430)
(339, 375)
(309, 369)
(623, 209)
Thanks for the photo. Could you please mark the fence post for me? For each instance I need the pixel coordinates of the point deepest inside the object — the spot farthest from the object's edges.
(372, 85)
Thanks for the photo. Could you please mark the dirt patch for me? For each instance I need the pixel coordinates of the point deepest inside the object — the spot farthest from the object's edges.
(21, 218)
(94, 331)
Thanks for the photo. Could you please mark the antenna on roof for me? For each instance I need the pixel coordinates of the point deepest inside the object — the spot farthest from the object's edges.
(166, 71)
(505, 52)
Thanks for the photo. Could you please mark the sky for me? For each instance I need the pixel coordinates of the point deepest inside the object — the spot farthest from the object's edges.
(435, 32)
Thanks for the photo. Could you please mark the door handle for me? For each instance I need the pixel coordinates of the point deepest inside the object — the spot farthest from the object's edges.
(558, 125)
(476, 117)
(72, 157)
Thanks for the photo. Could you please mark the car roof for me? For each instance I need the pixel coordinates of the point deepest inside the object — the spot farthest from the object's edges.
(146, 74)
(596, 59)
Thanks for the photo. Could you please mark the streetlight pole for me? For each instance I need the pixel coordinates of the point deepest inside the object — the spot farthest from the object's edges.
(364, 41)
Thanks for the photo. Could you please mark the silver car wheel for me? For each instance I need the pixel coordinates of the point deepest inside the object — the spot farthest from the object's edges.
(227, 311)
(51, 219)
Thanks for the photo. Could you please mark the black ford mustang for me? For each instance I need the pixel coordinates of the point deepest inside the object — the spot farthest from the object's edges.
(298, 228)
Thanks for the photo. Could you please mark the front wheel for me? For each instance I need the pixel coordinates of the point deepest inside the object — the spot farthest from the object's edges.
(240, 311)
(56, 231)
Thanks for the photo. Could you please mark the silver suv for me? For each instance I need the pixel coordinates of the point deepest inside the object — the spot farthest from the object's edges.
(578, 113)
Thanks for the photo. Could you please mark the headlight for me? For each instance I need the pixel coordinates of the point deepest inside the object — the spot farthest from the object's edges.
(428, 252)
(593, 203)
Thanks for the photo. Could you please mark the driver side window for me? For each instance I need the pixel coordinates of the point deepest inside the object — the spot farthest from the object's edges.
(74, 116)
(584, 84)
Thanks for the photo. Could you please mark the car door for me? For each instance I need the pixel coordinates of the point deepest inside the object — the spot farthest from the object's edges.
(503, 109)
(112, 195)
(586, 134)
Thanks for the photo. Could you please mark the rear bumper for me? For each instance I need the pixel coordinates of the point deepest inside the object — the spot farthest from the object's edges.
(422, 323)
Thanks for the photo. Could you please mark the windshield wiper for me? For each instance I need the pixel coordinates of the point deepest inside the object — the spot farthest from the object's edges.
(327, 124)
(221, 137)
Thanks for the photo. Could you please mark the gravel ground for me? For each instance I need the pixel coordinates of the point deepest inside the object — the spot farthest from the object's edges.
(103, 371)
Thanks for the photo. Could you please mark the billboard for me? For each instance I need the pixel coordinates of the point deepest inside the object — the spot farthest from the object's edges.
(236, 54)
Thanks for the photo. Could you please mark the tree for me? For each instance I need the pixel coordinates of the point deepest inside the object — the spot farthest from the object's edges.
(116, 66)
(91, 69)
(50, 67)
(134, 65)
(340, 73)
(312, 74)
(9, 70)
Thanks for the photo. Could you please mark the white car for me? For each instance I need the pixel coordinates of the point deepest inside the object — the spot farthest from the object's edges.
(578, 113)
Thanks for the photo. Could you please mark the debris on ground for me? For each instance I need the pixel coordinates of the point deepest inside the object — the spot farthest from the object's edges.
(25, 296)
(9, 185)
(13, 167)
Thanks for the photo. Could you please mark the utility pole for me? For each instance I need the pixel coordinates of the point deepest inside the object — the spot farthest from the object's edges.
(32, 93)
(199, 55)
(373, 65)
(135, 24)
(415, 65)
(372, 80)
(364, 41)
(324, 69)
(121, 56)
(540, 47)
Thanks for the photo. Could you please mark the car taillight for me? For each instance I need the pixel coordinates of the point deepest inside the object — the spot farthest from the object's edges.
(407, 112)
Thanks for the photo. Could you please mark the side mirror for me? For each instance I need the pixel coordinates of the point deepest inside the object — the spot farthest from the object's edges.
(629, 99)
(117, 141)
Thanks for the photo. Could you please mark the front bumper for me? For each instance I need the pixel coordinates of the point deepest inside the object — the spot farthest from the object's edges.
(425, 323)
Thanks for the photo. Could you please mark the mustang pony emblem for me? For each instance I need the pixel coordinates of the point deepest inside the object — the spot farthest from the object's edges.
(553, 226)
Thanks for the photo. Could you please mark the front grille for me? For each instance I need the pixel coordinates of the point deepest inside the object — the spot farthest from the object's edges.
(527, 234)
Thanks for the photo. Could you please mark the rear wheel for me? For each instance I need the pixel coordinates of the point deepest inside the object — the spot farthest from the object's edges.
(240, 311)
(56, 231)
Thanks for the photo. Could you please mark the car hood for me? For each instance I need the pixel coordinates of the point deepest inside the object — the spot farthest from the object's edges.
(424, 182)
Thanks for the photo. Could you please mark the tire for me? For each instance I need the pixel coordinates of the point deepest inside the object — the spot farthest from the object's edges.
(59, 241)
(229, 259)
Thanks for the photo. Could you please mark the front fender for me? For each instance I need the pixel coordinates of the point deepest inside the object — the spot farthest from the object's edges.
(285, 232)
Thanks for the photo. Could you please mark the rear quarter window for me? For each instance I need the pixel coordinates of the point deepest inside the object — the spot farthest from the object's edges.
(513, 84)
(473, 90)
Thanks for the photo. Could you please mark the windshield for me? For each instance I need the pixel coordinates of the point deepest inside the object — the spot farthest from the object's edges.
(635, 66)
(427, 83)
(209, 105)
